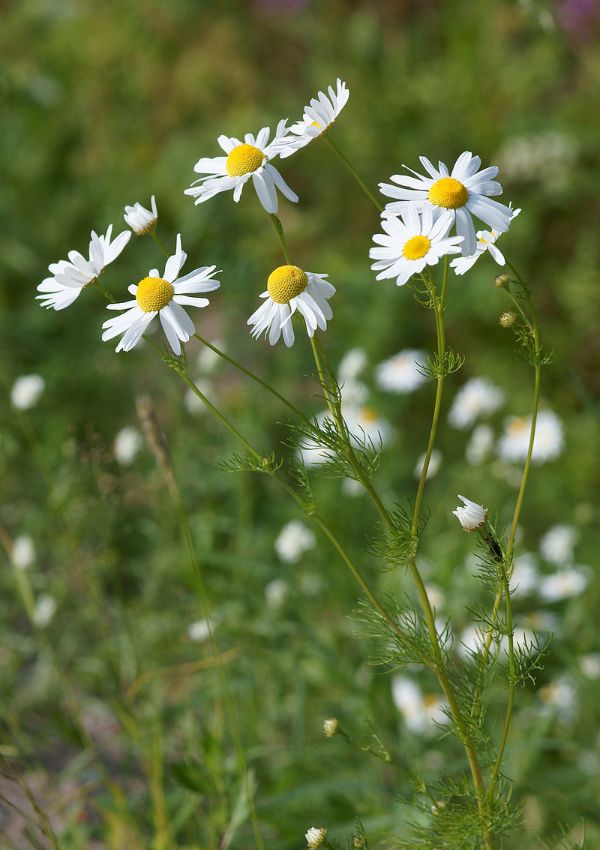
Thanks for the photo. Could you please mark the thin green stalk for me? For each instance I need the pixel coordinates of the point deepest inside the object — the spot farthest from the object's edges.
(155, 237)
(353, 171)
(280, 234)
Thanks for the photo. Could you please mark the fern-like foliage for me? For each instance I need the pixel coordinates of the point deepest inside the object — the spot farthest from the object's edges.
(237, 462)
(396, 544)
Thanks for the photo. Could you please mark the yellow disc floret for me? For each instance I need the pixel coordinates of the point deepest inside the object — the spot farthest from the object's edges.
(448, 193)
(416, 247)
(153, 293)
(285, 283)
(244, 159)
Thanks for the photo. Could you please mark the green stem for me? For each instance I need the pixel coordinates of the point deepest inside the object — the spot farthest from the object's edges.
(154, 235)
(279, 230)
(353, 171)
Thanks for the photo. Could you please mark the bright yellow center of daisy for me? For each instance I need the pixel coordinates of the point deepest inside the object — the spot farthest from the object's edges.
(517, 426)
(285, 283)
(243, 160)
(369, 415)
(153, 293)
(416, 247)
(448, 193)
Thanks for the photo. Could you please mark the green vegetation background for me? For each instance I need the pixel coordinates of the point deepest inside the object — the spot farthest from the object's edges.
(106, 103)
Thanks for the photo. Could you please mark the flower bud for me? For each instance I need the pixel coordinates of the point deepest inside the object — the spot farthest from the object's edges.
(502, 280)
(358, 842)
(315, 837)
(472, 516)
(508, 319)
(330, 727)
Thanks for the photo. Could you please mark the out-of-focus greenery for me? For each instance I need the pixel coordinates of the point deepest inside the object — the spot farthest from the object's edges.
(111, 713)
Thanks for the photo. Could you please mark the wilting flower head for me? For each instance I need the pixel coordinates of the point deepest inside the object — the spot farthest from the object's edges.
(318, 116)
(486, 241)
(293, 541)
(70, 277)
(558, 544)
(549, 438)
(330, 727)
(478, 397)
(315, 837)
(413, 240)
(26, 391)
(290, 289)
(403, 372)
(471, 515)
(457, 195)
(244, 160)
(162, 296)
(140, 219)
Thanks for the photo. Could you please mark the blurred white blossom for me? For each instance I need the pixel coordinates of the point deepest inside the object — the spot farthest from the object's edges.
(480, 445)
(563, 584)
(478, 397)
(558, 544)
(293, 541)
(23, 552)
(549, 438)
(26, 391)
(403, 372)
(44, 611)
(127, 444)
(422, 713)
(435, 461)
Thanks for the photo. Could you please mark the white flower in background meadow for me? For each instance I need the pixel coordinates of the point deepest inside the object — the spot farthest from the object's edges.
(352, 364)
(525, 577)
(23, 552)
(290, 289)
(471, 640)
(471, 515)
(412, 241)
(293, 541)
(558, 544)
(590, 665)
(201, 629)
(315, 837)
(320, 114)
(127, 444)
(435, 461)
(457, 196)
(275, 592)
(486, 241)
(26, 391)
(69, 278)
(193, 404)
(141, 220)
(207, 358)
(549, 438)
(480, 444)
(436, 596)
(352, 488)
(563, 584)
(244, 160)
(363, 422)
(523, 638)
(163, 297)
(402, 373)
(422, 713)
(44, 611)
(330, 727)
(545, 157)
(560, 696)
(478, 397)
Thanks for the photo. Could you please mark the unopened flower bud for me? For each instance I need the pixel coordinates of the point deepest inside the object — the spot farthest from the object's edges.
(330, 727)
(472, 516)
(508, 319)
(315, 837)
(358, 842)
(502, 280)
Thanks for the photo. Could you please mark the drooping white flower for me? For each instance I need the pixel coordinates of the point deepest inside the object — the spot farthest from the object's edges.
(250, 159)
(127, 444)
(549, 438)
(486, 241)
(320, 114)
(458, 195)
(26, 391)
(315, 837)
(163, 297)
(435, 461)
(471, 515)
(290, 289)
(480, 445)
(558, 544)
(478, 397)
(422, 713)
(23, 552)
(70, 277)
(44, 611)
(413, 240)
(563, 584)
(141, 220)
(293, 541)
(403, 372)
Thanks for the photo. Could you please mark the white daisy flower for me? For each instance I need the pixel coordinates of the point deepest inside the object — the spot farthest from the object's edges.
(486, 241)
(315, 837)
(318, 116)
(23, 552)
(201, 630)
(460, 194)
(422, 713)
(290, 289)
(549, 438)
(26, 391)
(70, 277)
(162, 296)
(351, 365)
(470, 515)
(403, 372)
(480, 444)
(525, 577)
(563, 584)
(413, 240)
(478, 397)
(141, 220)
(293, 541)
(363, 423)
(44, 611)
(127, 444)
(435, 461)
(558, 544)
(244, 160)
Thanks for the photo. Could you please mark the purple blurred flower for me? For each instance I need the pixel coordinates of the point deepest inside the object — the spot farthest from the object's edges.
(580, 18)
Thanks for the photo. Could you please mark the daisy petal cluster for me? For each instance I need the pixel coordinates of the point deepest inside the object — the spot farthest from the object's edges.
(422, 713)
(413, 239)
(70, 277)
(141, 220)
(486, 241)
(162, 296)
(471, 515)
(293, 541)
(250, 159)
(403, 372)
(478, 397)
(315, 837)
(457, 195)
(290, 289)
(320, 114)
(548, 443)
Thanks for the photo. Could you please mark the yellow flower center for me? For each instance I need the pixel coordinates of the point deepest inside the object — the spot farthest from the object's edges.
(153, 293)
(517, 426)
(416, 247)
(448, 193)
(369, 415)
(285, 283)
(243, 159)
